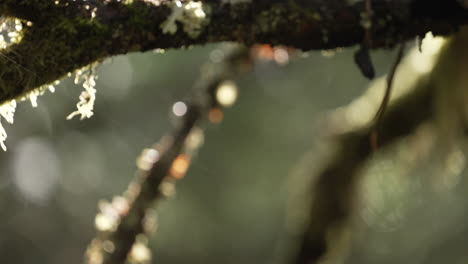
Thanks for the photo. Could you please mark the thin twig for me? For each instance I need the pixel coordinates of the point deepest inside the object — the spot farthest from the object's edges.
(388, 92)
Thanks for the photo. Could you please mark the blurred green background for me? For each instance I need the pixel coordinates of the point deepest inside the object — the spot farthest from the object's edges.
(233, 204)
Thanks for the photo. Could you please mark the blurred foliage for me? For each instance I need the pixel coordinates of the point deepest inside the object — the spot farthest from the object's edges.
(232, 205)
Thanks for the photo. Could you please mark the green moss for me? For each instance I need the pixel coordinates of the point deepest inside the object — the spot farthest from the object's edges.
(55, 49)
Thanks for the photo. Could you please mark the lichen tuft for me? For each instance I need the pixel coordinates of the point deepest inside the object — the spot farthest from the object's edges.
(191, 15)
(85, 106)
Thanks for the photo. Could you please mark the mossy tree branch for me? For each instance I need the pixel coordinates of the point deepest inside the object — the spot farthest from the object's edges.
(67, 35)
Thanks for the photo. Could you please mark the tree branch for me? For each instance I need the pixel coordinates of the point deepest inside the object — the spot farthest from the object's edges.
(160, 166)
(334, 190)
(67, 35)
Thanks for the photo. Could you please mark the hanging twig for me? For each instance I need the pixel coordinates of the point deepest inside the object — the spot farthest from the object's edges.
(387, 95)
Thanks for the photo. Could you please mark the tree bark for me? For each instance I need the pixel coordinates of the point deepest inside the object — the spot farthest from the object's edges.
(67, 35)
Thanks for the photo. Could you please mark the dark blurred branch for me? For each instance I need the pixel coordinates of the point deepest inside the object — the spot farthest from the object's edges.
(438, 96)
(67, 35)
(334, 191)
(160, 166)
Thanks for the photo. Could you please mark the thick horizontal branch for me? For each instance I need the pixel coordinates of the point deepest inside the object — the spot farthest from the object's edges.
(67, 35)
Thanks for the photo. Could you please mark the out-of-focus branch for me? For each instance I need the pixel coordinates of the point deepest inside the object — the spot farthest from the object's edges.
(122, 223)
(333, 191)
(64, 35)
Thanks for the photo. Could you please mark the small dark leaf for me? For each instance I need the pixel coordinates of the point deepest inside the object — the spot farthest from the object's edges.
(364, 62)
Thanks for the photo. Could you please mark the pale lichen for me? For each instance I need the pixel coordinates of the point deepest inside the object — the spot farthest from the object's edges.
(84, 107)
(191, 15)
(10, 31)
(87, 98)
(7, 112)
